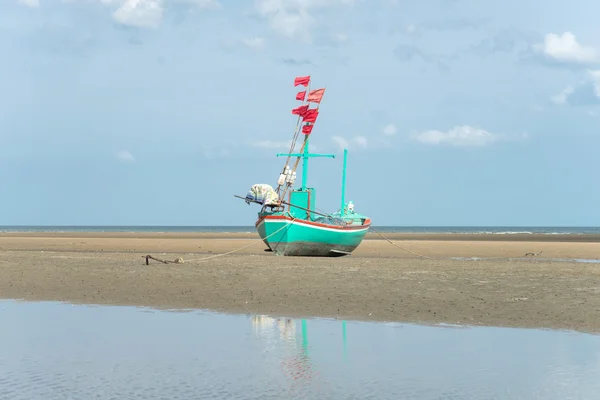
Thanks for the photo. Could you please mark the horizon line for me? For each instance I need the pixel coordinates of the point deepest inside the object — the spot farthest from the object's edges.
(252, 226)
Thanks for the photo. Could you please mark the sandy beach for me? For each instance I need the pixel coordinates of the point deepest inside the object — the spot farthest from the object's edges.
(380, 281)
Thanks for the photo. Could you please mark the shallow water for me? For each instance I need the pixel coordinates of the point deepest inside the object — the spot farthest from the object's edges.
(63, 351)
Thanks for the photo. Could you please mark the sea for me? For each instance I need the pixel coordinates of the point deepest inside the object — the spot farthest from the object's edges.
(498, 230)
(64, 351)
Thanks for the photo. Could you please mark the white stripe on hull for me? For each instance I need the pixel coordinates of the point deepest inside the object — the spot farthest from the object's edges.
(299, 222)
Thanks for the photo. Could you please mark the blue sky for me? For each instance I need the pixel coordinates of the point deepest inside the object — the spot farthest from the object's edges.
(454, 112)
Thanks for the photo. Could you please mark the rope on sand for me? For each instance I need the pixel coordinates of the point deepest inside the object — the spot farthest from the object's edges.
(398, 246)
(180, 260)
(423, 256)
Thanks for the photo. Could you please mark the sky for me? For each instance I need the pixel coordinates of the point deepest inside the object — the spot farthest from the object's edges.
(156, 112)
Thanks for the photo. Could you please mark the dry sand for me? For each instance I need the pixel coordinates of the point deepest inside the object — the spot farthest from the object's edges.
(379, 281)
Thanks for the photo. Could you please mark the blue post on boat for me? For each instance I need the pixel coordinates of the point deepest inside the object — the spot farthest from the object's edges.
(305, 155)
(342, 210)
(304, 197)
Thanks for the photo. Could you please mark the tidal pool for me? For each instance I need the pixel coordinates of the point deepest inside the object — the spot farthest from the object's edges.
(62, 351)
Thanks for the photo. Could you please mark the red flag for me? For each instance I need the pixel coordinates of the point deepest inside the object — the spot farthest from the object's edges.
(310, 115)
(302, 80)
(307, 129)
(300, 110)
(316, 95)
(301, 95)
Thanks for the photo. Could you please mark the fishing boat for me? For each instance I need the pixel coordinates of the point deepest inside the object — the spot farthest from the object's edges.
(289, 222)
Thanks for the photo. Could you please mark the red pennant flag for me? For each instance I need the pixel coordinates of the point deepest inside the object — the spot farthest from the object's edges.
(307, 129)
(302, 80)
(300, 110)
(316, 95)
(301, 95)
(310, 115)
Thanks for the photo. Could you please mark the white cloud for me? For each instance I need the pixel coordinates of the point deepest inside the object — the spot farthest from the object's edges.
(254, 43)
(104, 2)
(285, 17)
(30, 3)
(146, 13)
(140, 13)
(201, 4)
(587, 92)
(595, 76)
(410, 29)
(341, 142)
(566, 48)
(389, 130)
(125, 156)
(562, 97)
(361, 141)
(459, 136)
(294, 18)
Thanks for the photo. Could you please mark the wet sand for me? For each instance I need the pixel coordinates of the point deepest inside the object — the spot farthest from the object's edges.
(379, 281)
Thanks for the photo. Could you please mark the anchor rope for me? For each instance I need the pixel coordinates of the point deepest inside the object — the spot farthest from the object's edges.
(400, 247)
(287, 225)
(431, 258)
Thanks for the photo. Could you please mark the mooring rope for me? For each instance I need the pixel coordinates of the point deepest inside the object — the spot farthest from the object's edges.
(398, 246)
(181, 261)
(431, 258)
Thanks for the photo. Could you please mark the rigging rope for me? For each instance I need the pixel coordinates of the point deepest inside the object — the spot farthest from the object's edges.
(400, 247)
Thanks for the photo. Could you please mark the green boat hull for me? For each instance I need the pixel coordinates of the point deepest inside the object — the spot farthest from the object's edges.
(296, 237)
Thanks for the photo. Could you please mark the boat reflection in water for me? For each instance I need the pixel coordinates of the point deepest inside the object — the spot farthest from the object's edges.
(296, 362)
